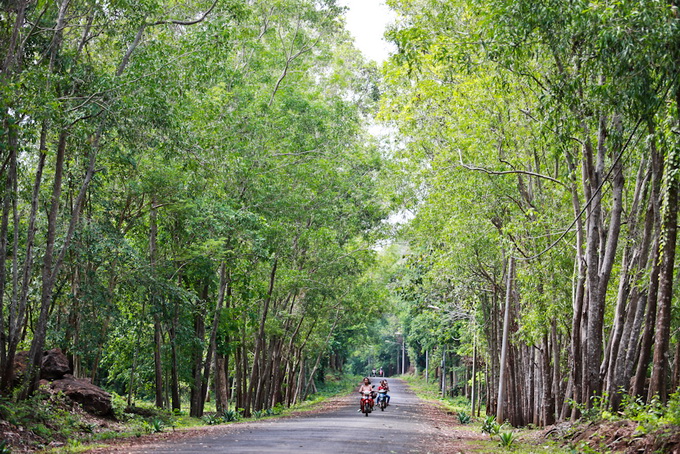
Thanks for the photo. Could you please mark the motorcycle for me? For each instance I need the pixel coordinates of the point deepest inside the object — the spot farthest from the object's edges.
(382, 400)
(366, 403)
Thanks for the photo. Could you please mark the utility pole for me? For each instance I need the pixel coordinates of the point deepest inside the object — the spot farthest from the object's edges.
(427, 365)
(443, 372)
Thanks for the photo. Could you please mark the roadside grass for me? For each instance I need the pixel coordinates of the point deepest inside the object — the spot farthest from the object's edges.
(431, 391)
(147, 419)
(493, 446)
(502, 438)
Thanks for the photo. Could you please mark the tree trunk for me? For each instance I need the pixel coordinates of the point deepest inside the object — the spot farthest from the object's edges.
(155, 306)
(320, 355)
(196, 403)
(212, 341)
(32, 374)
(504, 349)
(221, 398)
(8, 200)
(638, 385)
(658, 382)
(654, 216)
(576, 354)
(259, 340)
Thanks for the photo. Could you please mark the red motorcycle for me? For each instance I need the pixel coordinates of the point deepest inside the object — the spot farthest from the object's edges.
(367, 403)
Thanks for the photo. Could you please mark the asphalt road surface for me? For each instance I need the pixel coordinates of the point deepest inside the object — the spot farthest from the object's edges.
(401, 428)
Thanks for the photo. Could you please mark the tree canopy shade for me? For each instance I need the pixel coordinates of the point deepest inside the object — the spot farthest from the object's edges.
(191, 199)
(188, 192)
(547, 132)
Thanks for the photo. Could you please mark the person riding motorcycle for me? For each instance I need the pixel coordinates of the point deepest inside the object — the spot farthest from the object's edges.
(366, 387)
(383, 395)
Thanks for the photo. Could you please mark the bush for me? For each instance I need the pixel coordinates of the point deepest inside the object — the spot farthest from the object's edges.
(119, 404)
(213, 420)
(232, 415)
(490, 426)
(156, 425)
(507, 439)
(673, 412)
(464, 418)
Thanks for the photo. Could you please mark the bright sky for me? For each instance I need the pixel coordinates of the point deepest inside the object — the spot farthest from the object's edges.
(367, 20)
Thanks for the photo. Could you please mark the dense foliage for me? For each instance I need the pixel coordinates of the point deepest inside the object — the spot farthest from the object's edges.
(191, 200)
(189, 194)
(544, 133)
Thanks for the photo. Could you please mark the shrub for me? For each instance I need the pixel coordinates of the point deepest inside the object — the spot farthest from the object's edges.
(119, 405)
(156, 425)
(212, 420)
(507, 439)
(673, 413)
(232, 415)
(490, 426)
(464, 418)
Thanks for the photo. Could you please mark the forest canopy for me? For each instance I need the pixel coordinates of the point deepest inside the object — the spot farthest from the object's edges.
(541, 146)
(193, 202)
(189, 195)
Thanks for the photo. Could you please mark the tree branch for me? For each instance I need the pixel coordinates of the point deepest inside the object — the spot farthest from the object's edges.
(508, 172)
(184, 22)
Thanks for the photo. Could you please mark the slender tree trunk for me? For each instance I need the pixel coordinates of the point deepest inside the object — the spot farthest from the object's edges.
(648, 334)
(212, 341)
(658, 383)
(8, 200)
(259, 340)
(654, 216)
(576, 354)
(504, 349)
(196, 403)
(32, 374)
(155, 306)
(675, 379)
(320, 355)
(174, 376)
(14, 51)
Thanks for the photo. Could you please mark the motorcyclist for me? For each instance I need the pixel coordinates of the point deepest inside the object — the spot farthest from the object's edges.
(384, 387)
(366, 387)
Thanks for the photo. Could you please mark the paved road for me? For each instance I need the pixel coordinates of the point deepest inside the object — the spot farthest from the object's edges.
(399, 429)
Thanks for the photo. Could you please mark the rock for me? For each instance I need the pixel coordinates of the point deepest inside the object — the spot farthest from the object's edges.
(92, 398)
(43, 385)
(20, 365)
(54, 365)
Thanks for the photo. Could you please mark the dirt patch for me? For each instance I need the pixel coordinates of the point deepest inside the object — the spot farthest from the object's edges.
(450, 436)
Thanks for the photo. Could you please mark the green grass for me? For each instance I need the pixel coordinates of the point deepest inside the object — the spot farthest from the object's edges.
(431, 391)
(161, 420)
(51, 419)
(492, 446)
(461, 405)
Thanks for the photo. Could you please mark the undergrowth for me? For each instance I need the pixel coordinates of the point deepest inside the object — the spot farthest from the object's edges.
(54, 421)
(650, 417)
